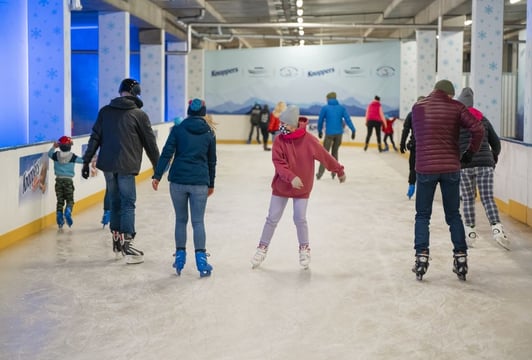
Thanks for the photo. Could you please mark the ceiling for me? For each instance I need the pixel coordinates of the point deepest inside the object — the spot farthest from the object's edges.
(270, 23)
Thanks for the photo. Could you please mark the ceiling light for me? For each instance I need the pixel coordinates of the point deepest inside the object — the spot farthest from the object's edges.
(468, 22)
(301, 42)
(299, 3)
(300, 20)
(299, 12)
(514, 1)
(301, 32)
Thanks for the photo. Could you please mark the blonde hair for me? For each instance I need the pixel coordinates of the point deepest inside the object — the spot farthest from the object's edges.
(279, 108)
(210, 121)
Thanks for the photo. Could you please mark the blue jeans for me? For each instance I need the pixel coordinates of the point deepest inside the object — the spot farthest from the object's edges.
(450, 191)
(196, 196)
(123, 195)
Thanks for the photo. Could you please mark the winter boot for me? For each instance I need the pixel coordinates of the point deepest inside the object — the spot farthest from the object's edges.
(499, 236)
(180, 260)
(201, 263)
(304, 256)
(60, 219)
(68, 216)
(460, 265)
(259, 256)
(117, 244)
(411, 191)
(421, 265)
(471, 235)
(106, 217)
(133, 255)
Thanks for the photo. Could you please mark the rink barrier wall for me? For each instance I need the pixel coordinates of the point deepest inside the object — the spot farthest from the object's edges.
(513, 177)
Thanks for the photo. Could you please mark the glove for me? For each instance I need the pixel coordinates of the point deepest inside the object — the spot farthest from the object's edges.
(320, 134)
(402, 148)
(467, 157)
(341, 178)
(495, 157)
(297, 183)
(353, 135)
(85, 172)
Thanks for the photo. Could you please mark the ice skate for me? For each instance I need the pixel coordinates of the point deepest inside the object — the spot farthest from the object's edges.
(471, 235)
(411, 191)
(421, 265)
(202, 265)
(460, 266)
(68, 216)
(304, 257)
(259, 257)
(60, 220)
(180, 260)
(499, 236)
(133, 255)
(117, 244)
(106, 217)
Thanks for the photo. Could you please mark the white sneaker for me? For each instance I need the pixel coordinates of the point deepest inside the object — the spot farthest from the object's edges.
(470, 235)
(499, 236)
(259, 257)
(304, 257)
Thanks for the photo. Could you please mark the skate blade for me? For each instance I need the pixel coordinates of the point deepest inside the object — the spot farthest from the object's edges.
(134, 259)
(504, 243)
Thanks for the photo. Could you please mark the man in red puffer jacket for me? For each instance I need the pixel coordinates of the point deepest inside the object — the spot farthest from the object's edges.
(436, 121)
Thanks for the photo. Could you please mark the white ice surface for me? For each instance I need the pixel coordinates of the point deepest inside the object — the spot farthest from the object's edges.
(63, 296)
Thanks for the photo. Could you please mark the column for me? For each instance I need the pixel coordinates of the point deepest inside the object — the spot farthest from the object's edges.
(113, 54)
(408, 76)
(527, 133)
(486, 58)
(426, 61)
(176, 81)
(195, 66)
(50, 95)
(14, 73)
(152, 79)
(450, 57)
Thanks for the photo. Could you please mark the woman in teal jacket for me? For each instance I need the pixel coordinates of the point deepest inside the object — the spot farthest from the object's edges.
(192, 145)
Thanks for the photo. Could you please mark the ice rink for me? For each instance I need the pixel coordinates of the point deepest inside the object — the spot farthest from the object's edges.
(64, 296)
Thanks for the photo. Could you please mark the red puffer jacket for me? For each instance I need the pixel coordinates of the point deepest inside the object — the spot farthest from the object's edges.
(436, 121)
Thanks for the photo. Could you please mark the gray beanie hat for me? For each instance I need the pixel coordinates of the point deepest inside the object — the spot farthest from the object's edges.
(446, 86)
(290, 116)
(466, 97)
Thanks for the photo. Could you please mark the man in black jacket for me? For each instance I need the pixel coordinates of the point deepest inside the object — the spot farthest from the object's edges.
(121, 132)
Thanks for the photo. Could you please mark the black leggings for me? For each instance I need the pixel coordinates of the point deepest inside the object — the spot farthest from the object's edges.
(374, 124)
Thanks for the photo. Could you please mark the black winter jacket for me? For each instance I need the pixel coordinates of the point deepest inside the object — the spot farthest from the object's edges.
(121, 131)
(490, 147)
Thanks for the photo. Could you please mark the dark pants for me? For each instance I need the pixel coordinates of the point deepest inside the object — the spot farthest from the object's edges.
(374, 124)
(64, 191)
(450, 194)
(334, 142)
(253, 127)
(412, 166)
(265, 134)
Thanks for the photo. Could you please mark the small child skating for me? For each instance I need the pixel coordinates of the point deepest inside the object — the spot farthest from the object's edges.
(64, 161)
(388, 133)
(294, 152)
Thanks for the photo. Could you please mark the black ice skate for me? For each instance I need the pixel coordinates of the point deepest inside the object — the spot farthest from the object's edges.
(460, 266)
(421, 265)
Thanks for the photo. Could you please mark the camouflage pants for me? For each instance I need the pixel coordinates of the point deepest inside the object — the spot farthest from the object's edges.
(64, 191)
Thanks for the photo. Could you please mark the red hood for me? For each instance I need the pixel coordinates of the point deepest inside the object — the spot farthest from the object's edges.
(476, 113)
